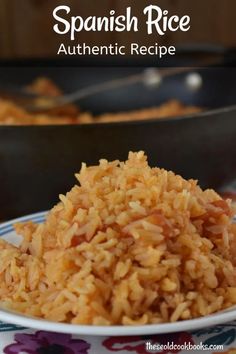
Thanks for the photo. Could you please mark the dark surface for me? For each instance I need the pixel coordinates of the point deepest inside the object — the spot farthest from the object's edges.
(38, 163)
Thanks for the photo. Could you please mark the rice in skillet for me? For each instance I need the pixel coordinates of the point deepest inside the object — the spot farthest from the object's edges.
(130, 245)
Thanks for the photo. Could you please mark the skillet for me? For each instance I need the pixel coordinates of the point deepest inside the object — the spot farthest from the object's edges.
(38, 162)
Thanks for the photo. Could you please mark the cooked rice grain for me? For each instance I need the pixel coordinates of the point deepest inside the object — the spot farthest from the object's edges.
(129, 244)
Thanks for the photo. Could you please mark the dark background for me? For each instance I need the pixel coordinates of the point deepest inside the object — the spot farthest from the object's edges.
(38, 163)
(26, 26)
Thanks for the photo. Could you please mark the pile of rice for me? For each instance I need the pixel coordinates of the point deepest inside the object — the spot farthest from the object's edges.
(129, 245)
(12, 114)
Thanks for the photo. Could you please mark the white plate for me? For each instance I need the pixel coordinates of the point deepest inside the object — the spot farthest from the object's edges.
(7, 232)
